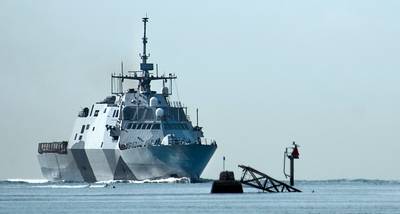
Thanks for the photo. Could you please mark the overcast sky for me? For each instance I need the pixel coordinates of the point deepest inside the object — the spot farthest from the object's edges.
(263, 73)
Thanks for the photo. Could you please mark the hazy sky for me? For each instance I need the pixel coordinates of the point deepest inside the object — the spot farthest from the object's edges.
(263, 73)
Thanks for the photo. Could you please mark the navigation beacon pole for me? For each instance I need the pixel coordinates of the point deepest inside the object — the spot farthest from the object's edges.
(293, 155)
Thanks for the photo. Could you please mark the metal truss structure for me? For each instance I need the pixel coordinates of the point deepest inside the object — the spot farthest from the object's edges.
(259, 180)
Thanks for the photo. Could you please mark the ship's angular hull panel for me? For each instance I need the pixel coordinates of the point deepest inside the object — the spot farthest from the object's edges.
(82, 165)
(123, 172)
(85, 167)
(57, 167)
(131, 164)
(168, 161)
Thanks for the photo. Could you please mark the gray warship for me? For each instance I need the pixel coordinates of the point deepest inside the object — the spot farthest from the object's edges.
(134, 134)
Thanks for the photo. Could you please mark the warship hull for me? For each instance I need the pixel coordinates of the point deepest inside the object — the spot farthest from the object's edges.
(152, 162)
(134, 134)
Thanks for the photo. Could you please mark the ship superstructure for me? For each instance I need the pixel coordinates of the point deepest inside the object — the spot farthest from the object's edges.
(132, 135)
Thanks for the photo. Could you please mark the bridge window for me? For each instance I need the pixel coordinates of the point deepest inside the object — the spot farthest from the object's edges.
(129, 126)
(176, 126)
(91, 110)
(148, 126)
(156, 126)
(137, 113)
(82, 129)
(96, 113)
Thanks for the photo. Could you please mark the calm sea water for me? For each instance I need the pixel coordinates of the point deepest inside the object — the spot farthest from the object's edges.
(176, 196)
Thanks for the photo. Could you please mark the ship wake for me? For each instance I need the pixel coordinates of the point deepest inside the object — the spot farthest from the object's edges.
(67, 184)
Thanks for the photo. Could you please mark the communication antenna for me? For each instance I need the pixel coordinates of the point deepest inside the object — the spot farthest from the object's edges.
(197, 118)
(121, 86)
(170, 85)
(223, 163)
(156, 70)
(122, 71)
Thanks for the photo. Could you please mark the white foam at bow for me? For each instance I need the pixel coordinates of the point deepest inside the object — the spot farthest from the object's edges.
(161, 180)
(64, 186)
(29, 181)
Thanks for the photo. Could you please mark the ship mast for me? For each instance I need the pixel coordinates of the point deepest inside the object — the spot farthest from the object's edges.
(146, 77)
(144, 66)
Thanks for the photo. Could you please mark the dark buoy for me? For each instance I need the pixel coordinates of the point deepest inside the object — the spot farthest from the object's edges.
(226, 183)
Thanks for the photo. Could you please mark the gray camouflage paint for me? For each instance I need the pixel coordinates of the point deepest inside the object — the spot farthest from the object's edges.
(162, 161)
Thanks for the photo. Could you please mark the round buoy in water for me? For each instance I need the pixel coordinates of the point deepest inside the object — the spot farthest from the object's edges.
(226, 184)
